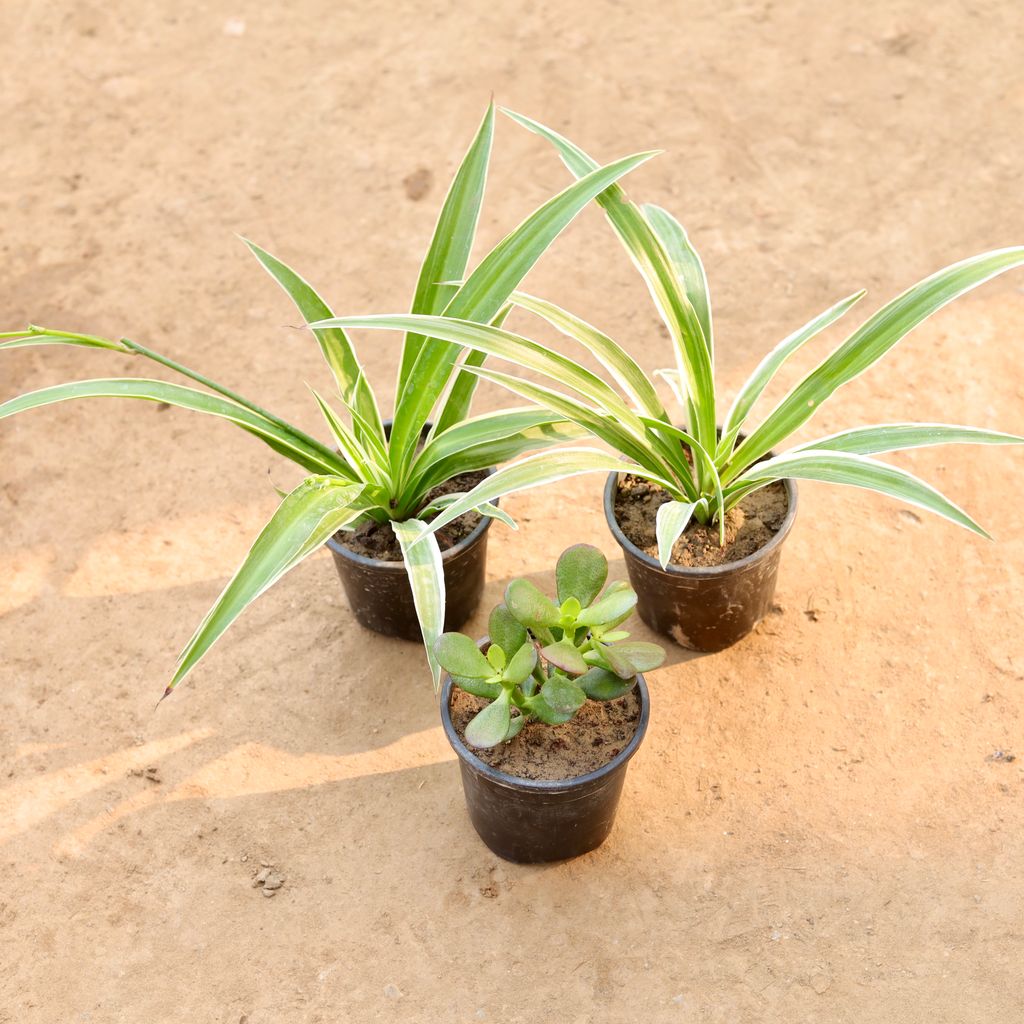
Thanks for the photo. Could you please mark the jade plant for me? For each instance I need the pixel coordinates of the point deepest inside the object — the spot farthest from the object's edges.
(707, 465)
(367, 473)
(546, 659)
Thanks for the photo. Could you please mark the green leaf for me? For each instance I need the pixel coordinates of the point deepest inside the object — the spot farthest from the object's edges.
(313, 512)
(536, 471)
(891, 437)
(515, 727)
(334, 344)
(673, 518)
(769, 366)
(866, 346)
(627, 373)
(522, 664)
(506, 630)
(364, 464)
(565, 656)
(600, 684)
(856, 471)
(32, 337)
(451, 242)
(580, 572)
(490, 726)
(644, 656)
(482, 296)
(276, 436)
(562, 695)
(610, 607)
(688, 267)
(456, 405)
(478, 687)
(457, 654)
(496, 658)
(618, 662)
(603, 426)
(523, 352)
(529, 605)
(426, 578)
(664, 284)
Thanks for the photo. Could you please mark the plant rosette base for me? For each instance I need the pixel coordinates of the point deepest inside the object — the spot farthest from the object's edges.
(703, 608)
(534, 820)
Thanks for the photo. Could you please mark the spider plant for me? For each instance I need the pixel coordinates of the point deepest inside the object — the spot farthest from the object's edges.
(371, 474)
(705, 467)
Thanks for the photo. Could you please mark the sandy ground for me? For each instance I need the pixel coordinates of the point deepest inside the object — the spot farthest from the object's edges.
(815, 829)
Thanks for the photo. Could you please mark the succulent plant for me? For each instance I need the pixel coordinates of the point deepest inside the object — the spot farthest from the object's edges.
(545, 660)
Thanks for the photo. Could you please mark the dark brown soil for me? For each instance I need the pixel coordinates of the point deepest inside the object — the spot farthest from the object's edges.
(748, 526)
(377, 540)
(589, 741)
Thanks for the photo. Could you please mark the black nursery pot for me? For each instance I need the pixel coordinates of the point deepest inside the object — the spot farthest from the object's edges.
(380, 594)
(530, 821)
(703, 608)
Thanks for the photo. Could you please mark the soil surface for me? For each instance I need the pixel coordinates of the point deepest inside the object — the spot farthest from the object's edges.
(748, 526)
(377, 540)
(824, 823)
(589, 741)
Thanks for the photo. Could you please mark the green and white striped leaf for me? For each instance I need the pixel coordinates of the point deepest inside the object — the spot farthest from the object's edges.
(365, 465)
(619, 363)
(426, 578)
(867, 345)
(891, 437)
(855, 471)
(451, 242)
(655, 265)
(515, 348)
(535, 471)
(673, 517)
(31, 337)
(484, 293)
(281, 440)
(313, 512)
(688, 266)
(334, 344)
(601, 425)
(769, 366)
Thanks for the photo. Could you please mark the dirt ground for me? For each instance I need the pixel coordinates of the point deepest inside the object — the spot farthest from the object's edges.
(824, 823)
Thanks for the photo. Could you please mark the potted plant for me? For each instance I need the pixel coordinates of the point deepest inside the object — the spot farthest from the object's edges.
(381, 478)
(701, 511)
(546, 712)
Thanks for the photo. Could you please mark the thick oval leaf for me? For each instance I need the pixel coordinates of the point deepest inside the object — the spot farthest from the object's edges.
(611, 607)
(478, 687)
(496, 658)
(506, 630)
(565, 656)
(600, 684)
(562, 695)
(521, 665)
(515, 727)
(581, 572)
(618, 662)
(530, 605)
(457, 654)
(642, 655)
(490, 726)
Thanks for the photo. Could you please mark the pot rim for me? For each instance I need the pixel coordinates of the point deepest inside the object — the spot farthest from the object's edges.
(381, 565)
(501, 778)
(699, 571)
